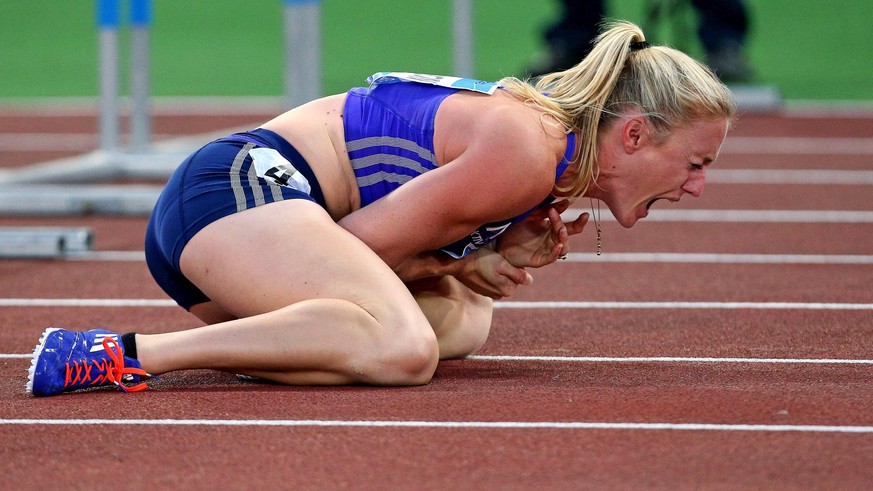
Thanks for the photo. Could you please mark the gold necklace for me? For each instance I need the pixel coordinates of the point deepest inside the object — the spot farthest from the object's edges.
(597, 225)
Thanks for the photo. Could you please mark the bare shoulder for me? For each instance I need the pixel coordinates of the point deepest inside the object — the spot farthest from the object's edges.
(503, 135)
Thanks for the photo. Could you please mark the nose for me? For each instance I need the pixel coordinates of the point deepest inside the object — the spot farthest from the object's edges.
(694, 184)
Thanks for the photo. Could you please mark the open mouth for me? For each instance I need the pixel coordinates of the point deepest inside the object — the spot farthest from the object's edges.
(652, 202)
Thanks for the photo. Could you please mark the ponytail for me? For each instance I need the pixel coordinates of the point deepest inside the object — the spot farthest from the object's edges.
(624, 72)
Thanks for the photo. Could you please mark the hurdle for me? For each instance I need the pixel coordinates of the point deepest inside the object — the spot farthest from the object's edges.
(156, 161)
(463, 60)
(68, 187)
(44, 242)
(302, 38)
(109, 22)
(110, 160)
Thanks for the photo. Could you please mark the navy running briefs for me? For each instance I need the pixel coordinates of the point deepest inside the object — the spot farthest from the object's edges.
(226, 176)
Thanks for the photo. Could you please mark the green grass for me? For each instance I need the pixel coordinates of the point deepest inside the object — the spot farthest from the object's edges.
(48, 48)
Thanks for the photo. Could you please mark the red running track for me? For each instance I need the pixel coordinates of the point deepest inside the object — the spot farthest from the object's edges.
(574, 407)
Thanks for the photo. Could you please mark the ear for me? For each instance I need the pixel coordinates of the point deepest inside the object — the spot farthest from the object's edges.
(634, 134)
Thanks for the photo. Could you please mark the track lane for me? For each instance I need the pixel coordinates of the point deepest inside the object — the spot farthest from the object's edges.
(533, 391)
(378, 458)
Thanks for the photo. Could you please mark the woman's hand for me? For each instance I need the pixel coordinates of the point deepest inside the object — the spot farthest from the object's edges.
(541, 238)
(488, 273)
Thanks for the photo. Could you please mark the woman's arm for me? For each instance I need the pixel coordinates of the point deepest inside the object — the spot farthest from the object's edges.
(484, 271)
(506, 167)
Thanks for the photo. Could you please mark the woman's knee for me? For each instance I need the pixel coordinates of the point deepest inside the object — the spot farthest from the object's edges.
(404, 355)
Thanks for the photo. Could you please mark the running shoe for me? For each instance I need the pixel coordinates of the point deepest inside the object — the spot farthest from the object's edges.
(68, 360)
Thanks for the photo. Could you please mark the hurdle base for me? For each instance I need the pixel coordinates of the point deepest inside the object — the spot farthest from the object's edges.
(57, 199)
(44, 242)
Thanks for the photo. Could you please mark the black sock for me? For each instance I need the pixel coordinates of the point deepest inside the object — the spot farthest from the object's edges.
(128, 343)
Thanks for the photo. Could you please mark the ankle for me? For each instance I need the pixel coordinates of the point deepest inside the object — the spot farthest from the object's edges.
(128, 343)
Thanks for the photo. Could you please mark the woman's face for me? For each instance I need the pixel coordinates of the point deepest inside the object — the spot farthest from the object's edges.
(637, 170)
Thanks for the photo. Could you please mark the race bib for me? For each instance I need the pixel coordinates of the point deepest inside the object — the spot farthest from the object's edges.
(470, 84)
(271, 166)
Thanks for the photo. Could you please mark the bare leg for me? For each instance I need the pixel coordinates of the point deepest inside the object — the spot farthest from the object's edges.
(461, 319)
(314, 305)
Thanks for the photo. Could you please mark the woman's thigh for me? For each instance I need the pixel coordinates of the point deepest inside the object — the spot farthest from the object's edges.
(275, 255)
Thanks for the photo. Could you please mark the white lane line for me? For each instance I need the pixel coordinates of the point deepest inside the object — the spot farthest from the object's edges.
(626, 359)
(684, 305)
(688, 257)
(789, 176)
(669, 359)
(743, 216)
(579, 257)
(797, 145)
(569, 425)
(133, 302)
(86, 302)
(142, 302)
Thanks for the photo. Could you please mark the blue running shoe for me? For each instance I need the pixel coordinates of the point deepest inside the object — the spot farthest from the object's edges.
(68, 360)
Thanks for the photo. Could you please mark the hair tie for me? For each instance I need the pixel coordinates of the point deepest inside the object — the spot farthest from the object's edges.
(638, 45)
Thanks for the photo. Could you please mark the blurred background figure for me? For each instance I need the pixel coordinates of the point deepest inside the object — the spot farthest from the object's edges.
(722, 28)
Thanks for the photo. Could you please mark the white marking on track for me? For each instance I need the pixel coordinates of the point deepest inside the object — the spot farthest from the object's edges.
(689, 257)
(684, 305)
(86, 302)
(797, 145)
(578, 257)
(629, 359)
(510, 425)
(670, 359)
(744, 216)
(141, 302)
(790, 176)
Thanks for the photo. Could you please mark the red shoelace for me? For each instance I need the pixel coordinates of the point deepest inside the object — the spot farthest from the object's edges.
(99, 372)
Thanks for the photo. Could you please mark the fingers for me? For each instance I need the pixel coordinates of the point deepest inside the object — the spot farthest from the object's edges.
(557, 252)
(506, 284)
(528, 279)
(562, 231)
(578, 224)
(501, 277)
(555, 219)
(560, 235)
(518, 276)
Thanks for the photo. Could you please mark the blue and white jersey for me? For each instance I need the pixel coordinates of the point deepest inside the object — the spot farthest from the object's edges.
(389, 129)
(389, 133)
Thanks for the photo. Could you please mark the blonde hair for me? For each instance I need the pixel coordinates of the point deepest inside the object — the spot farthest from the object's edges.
(667, 86)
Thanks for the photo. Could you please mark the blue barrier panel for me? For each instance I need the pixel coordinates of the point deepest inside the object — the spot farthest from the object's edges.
(108, 14)
(140, 13)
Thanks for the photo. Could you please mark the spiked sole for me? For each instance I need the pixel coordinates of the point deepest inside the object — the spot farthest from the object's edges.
(36, 352)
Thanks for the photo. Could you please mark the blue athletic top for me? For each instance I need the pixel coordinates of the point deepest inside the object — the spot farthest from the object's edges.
(389, 136)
